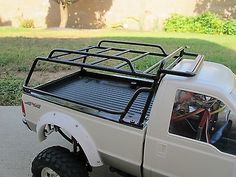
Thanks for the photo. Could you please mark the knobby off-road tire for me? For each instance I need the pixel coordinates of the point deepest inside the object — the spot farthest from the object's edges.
(61, 161)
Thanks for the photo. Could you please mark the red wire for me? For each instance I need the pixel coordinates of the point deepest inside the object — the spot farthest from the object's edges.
(185, 116)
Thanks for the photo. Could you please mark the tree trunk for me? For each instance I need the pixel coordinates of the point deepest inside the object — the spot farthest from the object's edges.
(64, 15)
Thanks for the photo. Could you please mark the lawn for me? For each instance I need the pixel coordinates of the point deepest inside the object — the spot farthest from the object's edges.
(20, 46)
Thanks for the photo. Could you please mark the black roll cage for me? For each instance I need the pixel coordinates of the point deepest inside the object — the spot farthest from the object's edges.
(101, 48)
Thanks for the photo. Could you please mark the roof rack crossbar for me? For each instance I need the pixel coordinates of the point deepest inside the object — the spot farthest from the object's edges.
(50, 56)
(132, 60)
(198, 61)
(196, 65)
(99, 60)
(98, 55)
(152, 67)
(177, 73)
(133, 43)
(172, 55)
(176, 61)
(83, 56)
(136, 51)
(98, 67)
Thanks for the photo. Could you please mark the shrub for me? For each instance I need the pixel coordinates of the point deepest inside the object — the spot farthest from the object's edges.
(230, 27)
(210, 23)
(207, 22)
(179, 23)
(28, 23)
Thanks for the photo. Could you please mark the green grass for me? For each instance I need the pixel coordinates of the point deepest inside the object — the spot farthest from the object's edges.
(10, 91)
(19, 46)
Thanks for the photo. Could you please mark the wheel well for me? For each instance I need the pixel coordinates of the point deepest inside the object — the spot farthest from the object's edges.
(77, 149)
(54, 121)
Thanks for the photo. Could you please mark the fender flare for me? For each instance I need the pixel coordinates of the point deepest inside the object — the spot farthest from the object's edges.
(75, 129)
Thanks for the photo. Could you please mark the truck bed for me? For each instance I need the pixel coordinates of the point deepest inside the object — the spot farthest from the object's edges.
(101, 91)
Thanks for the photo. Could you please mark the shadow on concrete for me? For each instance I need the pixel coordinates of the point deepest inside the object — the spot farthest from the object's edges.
(5, 23)
(82, 14)
(225, 8)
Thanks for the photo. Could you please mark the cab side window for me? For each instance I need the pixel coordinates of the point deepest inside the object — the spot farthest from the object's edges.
(204, 118)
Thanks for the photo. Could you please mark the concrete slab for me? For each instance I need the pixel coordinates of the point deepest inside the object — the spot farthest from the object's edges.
(19, 146)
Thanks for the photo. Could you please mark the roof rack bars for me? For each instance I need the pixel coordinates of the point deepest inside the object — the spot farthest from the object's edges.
(84, 56)
(164, 60)
(133, 43)
(173, 58)
(104, 59)
(195, 67)
(106, 46)
(132, 60)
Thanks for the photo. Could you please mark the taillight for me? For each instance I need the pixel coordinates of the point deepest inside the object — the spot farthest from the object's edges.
(23, 108)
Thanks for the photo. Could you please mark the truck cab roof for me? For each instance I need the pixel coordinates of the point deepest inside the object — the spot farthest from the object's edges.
(211, 76)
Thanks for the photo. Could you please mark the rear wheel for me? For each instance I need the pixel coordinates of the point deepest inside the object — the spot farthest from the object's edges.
(58, 162)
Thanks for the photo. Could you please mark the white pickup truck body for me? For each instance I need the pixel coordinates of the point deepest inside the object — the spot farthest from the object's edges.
(152, 149)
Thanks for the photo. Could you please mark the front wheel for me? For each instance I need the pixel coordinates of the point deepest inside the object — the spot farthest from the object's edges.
(58, 162)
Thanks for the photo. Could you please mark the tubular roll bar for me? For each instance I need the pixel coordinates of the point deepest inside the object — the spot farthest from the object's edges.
(132, 60)
(53, 51)
(117, 54)
(161, 67)
(84, 56)
(165, 59)
(132, 43)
